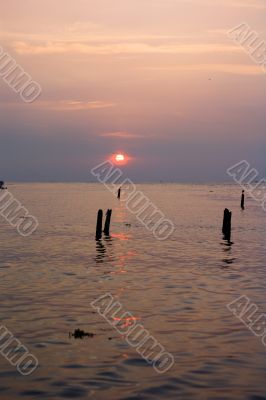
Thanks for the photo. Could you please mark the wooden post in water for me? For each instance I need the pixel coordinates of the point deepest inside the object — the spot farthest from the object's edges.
(227, 224)
(99, 225)
(243, 200)
(107, 223)
(119, 193)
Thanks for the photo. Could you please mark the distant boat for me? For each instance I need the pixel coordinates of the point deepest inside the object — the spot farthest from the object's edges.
(2, 185)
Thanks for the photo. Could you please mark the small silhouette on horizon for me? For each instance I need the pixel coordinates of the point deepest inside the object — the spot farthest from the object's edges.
(2, 185)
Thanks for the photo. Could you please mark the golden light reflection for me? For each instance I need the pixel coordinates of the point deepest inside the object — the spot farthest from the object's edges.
(126, 322)
(120, 236)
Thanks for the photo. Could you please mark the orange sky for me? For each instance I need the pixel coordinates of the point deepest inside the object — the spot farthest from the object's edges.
(159, 79)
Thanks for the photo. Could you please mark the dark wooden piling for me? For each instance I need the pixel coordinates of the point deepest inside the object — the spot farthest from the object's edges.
(227, 224)
(99, 225)
(243, 200)
(107, 223)
(119, 193)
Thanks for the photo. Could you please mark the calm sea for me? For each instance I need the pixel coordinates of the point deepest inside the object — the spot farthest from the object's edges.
(178, 289)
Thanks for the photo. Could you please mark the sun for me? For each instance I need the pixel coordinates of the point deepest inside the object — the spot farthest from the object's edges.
(119, 158)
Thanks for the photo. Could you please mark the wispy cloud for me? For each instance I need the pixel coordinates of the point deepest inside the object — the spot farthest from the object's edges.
(72, 105)
(235, 69)
(121, 48)
(257, 5)
(121, 135)
(243, 4)
(63, 105)
(68, 36)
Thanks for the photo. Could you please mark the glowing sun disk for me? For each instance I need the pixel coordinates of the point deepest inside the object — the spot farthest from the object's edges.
(119, 157)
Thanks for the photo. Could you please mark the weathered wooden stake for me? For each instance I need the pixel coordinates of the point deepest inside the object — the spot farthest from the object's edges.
(243, 200)
(227, 224)
(99, 225)
(107, 223)
(119, 193)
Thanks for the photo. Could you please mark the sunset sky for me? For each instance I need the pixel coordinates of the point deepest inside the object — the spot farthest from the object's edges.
(158, 80)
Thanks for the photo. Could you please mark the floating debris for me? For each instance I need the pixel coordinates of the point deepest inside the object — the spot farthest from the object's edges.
(79, 334)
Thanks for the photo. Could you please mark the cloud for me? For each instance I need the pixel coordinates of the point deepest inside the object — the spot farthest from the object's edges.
(64, 105)
(121, 48)
(68, 35)
(235, 69)
(243, 4)
(121, 135)
(257, 5)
